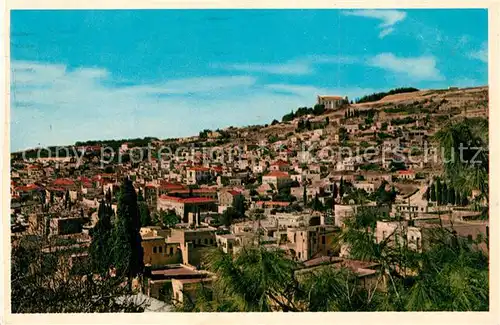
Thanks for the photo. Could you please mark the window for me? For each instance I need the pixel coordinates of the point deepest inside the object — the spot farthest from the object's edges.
(211, 241)
(469, 238)
(206, 241)
(171, 251)
(323, 240)
(160, 249)
(299, 255)
(230, 245)
(154, 249)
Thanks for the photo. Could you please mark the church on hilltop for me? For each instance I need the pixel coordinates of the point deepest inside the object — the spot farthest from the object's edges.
(332, 102)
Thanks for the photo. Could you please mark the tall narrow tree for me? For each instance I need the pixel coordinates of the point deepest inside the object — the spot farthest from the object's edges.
(341, 187)
(335, 192)
(127, 249)
(439, 192)
(451, 196)
(100, 250)
(444, 194)
(433, 195)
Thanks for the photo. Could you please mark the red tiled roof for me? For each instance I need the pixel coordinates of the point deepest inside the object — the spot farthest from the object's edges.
(273, 203)
(234, 193)
(196, 190)
(64, 182)
(187, 200)
(171, 186)
(28, 188)
(199, 168)
(278, 174)
(405, 172)
(84, 179)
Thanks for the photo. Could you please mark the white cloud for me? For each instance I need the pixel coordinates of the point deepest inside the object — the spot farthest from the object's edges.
(53, 105)
(388, 18)
(332, 59)
(414, 68)
(300, 66)
(286, 68)
(386, 32)
(481, 54)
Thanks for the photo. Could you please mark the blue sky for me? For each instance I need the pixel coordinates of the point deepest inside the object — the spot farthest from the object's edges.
(111, 74)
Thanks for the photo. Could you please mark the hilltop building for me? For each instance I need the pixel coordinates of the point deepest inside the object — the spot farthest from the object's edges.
(332, 102)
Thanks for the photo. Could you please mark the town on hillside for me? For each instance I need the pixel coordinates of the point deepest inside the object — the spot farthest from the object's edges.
(333, 191)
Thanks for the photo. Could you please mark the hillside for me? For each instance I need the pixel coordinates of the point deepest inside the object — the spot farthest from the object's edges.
(439, 104)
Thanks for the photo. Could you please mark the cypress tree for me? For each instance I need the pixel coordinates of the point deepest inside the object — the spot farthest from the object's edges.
(433, 192)
(335, 191)
(239, 205)
(127, 249)
(66, 199)
(444, 194)
(451, 196)
(108, 196)
(427, 193)
(439, 192)
(145, 214)
(304, 196)
(100, 250)
(341, 188)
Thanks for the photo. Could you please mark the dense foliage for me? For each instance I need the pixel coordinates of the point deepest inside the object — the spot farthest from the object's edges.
(377, 96)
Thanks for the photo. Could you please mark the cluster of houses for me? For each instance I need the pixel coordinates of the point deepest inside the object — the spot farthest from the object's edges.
(277, 185)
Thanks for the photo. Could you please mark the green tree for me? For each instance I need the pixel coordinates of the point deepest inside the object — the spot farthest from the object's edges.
(127, 250)
(439, 191)
(100, 249)
(427, 194)
(255, 280)
(316, 204)
(341, 187)
(66, 200)
(433, 195)
(108, 196)
(48, 283)
(466, 154)
(451, 196)
(335, 191)
(444, 194)
(239, 205)
(169, 218)
(145, 214)
(228, 216)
